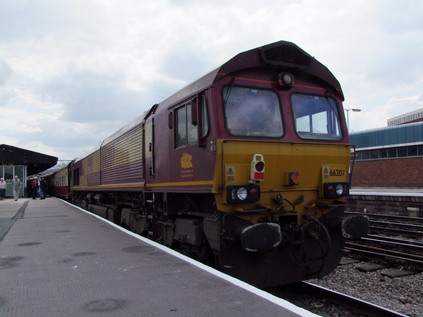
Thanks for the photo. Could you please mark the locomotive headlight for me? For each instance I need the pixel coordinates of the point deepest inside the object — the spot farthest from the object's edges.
(339, 189)
(333, 190)
(242, 193)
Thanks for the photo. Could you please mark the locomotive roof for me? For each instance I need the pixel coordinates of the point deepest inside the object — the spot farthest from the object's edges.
(282, 54)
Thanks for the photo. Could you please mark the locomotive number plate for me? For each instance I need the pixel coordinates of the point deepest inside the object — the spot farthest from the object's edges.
(334, 173)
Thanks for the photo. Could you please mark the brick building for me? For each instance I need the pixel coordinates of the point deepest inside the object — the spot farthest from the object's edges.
(389, 157)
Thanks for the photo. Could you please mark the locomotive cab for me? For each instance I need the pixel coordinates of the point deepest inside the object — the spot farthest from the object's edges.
(282, 163)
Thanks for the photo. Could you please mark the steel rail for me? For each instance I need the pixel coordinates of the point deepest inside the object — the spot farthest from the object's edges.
(373, 215)
(409, 258)
(396, 231)
(368, 308)
(403, 244)
(398, 224)
(392, 239)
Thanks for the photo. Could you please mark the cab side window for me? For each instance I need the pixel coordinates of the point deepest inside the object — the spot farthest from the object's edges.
(186, 132)
(187, 127)
(204, 117)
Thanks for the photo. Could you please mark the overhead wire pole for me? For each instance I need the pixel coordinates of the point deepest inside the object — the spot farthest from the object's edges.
(348, 116)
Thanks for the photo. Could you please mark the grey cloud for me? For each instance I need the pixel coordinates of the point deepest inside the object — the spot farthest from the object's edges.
(90, 97)
(185, 63)
(5, 95)
(5, 71)
(36, 19)
(400, 17)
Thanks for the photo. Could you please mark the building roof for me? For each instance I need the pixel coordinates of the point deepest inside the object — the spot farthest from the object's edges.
(35, 162)
(390, 136)
(409, 117)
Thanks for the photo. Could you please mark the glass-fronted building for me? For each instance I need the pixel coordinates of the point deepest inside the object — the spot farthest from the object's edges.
(22, 163)
(389, 157)
(8, 172)
(387, 143)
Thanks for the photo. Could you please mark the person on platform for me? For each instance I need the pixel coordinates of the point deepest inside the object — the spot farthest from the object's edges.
(34, 187)
(3, 185)
(42, 187)
(16, 185)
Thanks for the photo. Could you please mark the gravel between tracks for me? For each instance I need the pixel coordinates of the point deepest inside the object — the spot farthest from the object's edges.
(401, 294)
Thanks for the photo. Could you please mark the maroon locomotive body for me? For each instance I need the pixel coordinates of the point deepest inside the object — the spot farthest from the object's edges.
(245, 169)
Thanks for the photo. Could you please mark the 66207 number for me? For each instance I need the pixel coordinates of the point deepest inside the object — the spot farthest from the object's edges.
(337, 172)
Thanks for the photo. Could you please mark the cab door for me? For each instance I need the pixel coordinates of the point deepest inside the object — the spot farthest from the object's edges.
(149, 149)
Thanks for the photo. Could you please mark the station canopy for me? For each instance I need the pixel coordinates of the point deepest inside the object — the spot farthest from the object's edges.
(35, 162)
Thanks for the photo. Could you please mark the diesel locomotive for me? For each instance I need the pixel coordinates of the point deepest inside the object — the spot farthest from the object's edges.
(246, 169)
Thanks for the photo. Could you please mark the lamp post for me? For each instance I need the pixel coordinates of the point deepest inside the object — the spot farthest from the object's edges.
(348, 116)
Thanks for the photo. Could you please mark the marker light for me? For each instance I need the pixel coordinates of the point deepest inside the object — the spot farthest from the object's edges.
(285, 80)
(294, 178)
(259, 166)
(253, 193)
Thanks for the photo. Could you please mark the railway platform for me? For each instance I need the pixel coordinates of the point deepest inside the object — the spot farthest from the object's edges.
(381, 191)
(401, 201)
(59, 260)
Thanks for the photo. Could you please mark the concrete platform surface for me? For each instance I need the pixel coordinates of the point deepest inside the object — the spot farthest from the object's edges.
(58, 260)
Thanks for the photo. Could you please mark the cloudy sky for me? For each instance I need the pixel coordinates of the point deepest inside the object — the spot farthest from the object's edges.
(72, 72)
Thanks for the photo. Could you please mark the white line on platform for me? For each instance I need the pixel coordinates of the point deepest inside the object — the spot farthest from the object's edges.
(399, 194)
(276, 300)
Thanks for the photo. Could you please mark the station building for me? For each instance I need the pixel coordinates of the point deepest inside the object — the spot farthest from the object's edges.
(391, 156)
(23, 163)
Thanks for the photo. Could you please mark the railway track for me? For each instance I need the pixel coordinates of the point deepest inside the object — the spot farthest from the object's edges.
(399, 225)
(403, 245)
(304, 293)
(356, 304)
